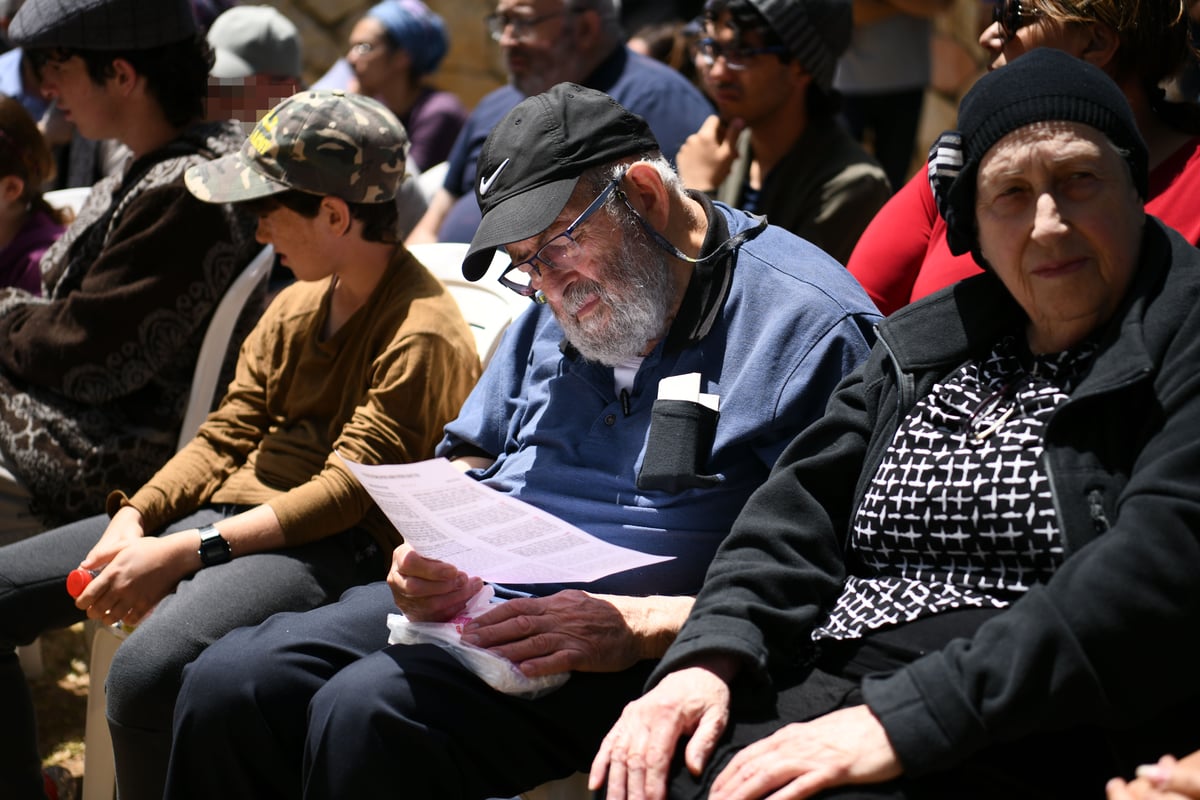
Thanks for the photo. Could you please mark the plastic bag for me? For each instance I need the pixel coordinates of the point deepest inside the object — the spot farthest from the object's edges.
(496, 671)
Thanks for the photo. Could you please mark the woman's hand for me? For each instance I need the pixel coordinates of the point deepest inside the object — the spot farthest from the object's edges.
(636, 754)
(124, 528)
(847, 746)
(1168, 779)
(143, 572)
(427, 590)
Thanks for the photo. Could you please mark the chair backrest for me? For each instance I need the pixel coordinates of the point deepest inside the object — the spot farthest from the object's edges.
(216, 342)
(72, 198)
(486, 305)
(432, 179)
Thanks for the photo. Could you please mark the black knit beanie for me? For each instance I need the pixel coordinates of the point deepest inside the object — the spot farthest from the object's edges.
(1040, 86)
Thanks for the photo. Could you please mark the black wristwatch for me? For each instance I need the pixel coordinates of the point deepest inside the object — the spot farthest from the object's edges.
(213, 547)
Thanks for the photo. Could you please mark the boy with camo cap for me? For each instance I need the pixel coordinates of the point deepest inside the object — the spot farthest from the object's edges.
(366, 356)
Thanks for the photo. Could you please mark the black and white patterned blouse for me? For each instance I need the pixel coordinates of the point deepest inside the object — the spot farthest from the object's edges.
(960, 513)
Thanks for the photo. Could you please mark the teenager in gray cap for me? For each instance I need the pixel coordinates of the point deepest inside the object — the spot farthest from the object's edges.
(365, 355)
(256, 63)
(775, 146)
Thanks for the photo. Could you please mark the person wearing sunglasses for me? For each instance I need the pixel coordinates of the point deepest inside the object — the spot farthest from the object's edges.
(975, 577)
(1140, 44)
(775, 146)
(641, 281)
(545, 42)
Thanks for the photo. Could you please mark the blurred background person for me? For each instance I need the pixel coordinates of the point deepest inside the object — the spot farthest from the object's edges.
(672, 42)
(394, 50)
(882, 78)
(256, 64)
(775, 146)
(903, 256)
(544, 43)
(28, 225)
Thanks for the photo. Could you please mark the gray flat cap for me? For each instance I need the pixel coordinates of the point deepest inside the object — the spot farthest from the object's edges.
(102, 24)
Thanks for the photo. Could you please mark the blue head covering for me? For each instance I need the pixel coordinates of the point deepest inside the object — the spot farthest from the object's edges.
(412, 27)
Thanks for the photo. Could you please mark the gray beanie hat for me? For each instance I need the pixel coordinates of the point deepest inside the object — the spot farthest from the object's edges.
(102, 24)
(815, 32)
(1041, 86)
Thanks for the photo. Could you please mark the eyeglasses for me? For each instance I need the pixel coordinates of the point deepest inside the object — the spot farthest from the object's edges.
(736, 58)
(992, 412)
(557, 253)
(1011, 16)
(363, 48)
(522, 27)
(563, 250)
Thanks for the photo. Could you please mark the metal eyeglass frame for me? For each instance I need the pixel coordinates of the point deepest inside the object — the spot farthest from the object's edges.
(530, 265)
(522, 26)
(735, 57)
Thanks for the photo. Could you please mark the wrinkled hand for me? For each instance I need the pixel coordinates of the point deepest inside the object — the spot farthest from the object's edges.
(705, 157)
(1169, 779)
(133, 582)
(428, 590)
(636, 754)
(123, 529)
(848, 746)
(570, 630)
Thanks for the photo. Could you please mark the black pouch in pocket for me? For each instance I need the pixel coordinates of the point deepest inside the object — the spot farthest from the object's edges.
(681, 436)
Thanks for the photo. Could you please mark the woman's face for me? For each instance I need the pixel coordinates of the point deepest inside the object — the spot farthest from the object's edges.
(374, 61)
(1033, 28)
(1060, 222)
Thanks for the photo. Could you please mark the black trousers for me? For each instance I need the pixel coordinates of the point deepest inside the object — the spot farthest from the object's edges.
(1059, 764)
(317, 705)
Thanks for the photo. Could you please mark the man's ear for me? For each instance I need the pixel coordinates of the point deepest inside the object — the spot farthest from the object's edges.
(1100, 45)
(334, 213)
(588, 27)
(11, 188)
(124, 77)
(648, 194)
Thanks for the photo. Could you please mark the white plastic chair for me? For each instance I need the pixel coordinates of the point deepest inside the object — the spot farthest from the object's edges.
(432, 179)
(99, 781)
(216, 342)
(72, 198)
(486, 305)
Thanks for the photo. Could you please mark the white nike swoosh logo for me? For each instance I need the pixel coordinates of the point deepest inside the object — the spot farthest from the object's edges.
(486, 183)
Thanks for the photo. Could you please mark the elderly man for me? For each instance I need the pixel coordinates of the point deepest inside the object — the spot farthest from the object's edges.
(951, 585)
(777, 148)
(640, 281)
(545, 42)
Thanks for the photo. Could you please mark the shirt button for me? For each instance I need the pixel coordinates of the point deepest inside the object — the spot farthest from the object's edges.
(611, 419)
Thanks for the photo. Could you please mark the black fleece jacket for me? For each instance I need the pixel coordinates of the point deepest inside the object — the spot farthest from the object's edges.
(1111, 640)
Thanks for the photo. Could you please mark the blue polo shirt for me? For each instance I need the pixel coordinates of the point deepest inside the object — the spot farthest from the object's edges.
(771, 329)
(672, 107)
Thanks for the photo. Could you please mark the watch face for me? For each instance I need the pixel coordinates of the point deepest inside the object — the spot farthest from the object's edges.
(213, 547)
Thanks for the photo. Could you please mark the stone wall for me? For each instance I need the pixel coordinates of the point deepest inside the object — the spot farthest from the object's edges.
(472, 67)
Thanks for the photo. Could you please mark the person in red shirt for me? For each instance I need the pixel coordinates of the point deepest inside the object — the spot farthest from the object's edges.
(902, 256)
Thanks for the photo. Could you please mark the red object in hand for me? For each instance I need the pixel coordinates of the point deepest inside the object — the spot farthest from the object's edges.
(78, 580)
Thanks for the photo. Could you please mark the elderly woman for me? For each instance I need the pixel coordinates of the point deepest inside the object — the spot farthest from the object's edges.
(394, 49)
(976, 576)
(903, 255)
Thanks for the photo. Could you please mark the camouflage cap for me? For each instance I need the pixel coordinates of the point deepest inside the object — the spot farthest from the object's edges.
(325, 143)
